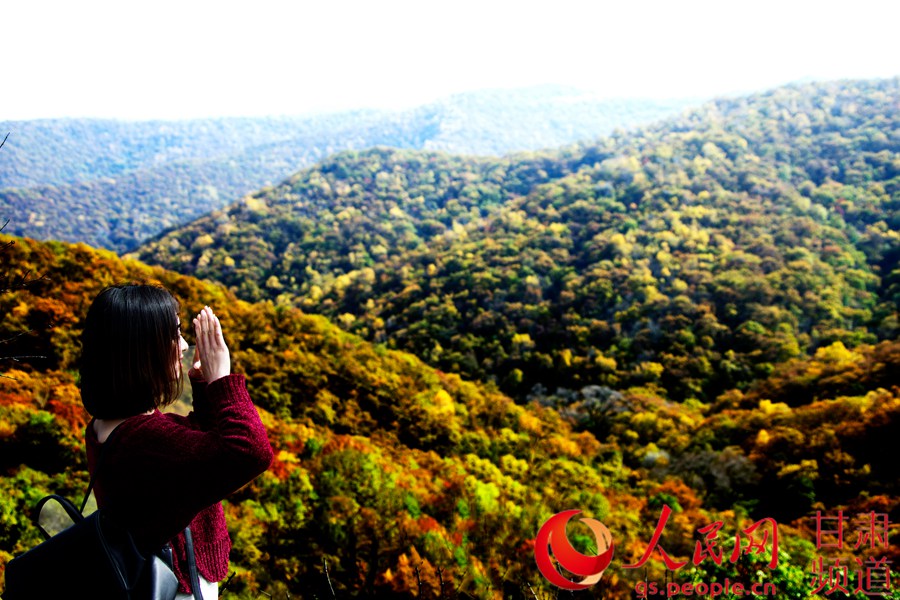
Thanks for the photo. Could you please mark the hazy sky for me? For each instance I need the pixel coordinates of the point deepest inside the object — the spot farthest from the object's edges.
(191, 58)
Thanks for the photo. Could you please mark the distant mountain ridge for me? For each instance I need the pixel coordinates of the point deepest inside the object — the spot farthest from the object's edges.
(690, 256)
(113, 184)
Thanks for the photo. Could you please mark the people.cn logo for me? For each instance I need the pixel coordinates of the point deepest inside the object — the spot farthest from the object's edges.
(553, 534)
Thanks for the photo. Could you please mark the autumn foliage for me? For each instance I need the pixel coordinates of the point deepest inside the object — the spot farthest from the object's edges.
(699, 317)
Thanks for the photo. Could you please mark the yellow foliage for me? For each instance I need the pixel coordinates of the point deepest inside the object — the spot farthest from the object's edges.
(768, 407)
(21, 309)
(837, 354)
(607, 363)
(341, 282)
(288, 457)
(558, 446)
(6, 429)
(512, 465)
(810, 468)
(203, 241)
(256, 205)
(443, 403)
(530, 423)
(523, 341)
(558, 228)
(651, 370)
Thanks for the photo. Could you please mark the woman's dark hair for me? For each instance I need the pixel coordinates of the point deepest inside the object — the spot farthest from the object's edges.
(129, 346)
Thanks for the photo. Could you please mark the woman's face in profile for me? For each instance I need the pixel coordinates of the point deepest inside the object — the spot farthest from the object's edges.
(182, 346)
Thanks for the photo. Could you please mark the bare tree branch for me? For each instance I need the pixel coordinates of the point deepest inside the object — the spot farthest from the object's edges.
(328, 578)
(16, 283)
(418, 581)
(227, 582)
(440, 572)
(9, 339)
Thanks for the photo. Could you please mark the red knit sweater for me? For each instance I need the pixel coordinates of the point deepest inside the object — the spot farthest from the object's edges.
(163, 472)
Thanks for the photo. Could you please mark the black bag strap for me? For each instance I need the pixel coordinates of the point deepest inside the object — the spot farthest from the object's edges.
(192, 564)
(67, 505)
(71, 511)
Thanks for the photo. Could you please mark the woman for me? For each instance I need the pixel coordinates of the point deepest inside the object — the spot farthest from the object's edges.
(162, 472)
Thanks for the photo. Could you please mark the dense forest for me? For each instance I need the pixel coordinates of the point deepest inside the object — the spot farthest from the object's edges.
(126, 182)
(407, 481)
(690, 257)
(695, 322)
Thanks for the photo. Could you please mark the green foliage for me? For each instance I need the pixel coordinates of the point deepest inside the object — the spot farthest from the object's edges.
(131, 181)
(692, 256)
(358, 485)
(700, 315)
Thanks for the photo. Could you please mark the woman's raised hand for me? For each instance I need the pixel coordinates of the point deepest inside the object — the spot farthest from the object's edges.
(211, 353)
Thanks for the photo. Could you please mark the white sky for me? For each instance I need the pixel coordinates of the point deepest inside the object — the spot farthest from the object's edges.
(136, 59)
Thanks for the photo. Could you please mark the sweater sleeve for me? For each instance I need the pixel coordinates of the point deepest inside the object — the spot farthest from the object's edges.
(181, 469)
(239, 428)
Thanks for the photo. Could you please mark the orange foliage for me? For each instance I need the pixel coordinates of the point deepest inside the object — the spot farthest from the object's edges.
(427, 524)
(65, 402)
(11, 399)
(413, 575)
(73, 414)
(687, 498)
(283, 464)
(345, 442)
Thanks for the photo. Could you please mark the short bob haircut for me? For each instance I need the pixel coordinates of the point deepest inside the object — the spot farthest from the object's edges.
(129, 346)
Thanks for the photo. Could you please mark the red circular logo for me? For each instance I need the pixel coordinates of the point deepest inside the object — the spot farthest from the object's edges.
(553, 534)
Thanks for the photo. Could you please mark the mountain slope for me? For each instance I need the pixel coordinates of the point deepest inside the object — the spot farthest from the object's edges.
(129, 181)
(691, 256)
(377, 456)
(405, 480)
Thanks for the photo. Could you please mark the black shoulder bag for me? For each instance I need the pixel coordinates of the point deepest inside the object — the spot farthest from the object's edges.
(94, 558)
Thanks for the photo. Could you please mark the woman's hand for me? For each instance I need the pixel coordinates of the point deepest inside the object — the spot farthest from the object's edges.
(214, 359)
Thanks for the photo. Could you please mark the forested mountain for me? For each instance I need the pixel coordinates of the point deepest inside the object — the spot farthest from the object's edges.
(691, 257)
(113, 184)
(700, 315)
(408, 482)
